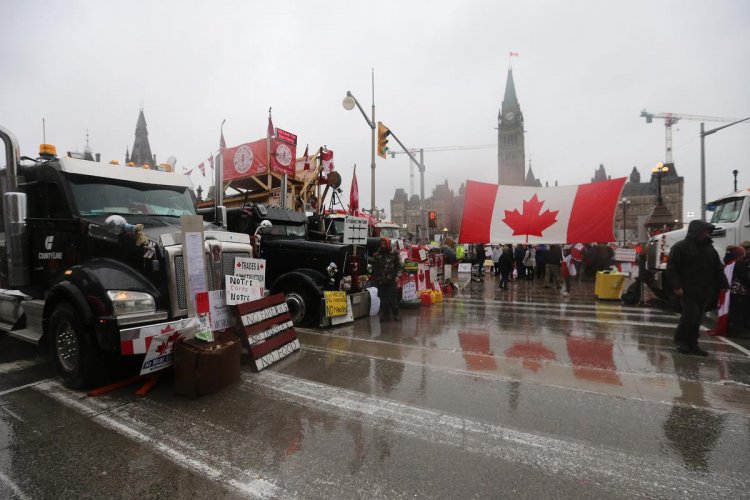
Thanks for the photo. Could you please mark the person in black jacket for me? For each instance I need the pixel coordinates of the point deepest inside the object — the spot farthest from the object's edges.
(696, 275)
(505, 266)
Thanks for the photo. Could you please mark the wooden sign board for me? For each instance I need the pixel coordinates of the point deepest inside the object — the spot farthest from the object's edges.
(266, 329)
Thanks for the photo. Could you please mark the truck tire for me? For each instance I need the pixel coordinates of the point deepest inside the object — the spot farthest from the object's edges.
(72, 347)
(302, 306)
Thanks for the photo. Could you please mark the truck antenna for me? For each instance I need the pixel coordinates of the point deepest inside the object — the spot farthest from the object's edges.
(44, 132)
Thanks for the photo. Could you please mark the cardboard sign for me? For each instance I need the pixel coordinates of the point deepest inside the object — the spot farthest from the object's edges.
(347, 317)
(254, 269)
(447, 272)
(239, 290)
(160, 353)
(464, 267)
(625, 254)
(433, 275)
(409, 292)
(193, 258)
(267, 330)
(336, 304)
(422, 254)
(219, 313)
(355, 230)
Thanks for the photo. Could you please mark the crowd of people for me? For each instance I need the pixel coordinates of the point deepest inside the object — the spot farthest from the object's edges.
(695, 271)
(556, 265)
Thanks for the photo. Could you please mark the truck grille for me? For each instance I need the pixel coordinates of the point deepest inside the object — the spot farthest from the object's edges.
(227, 267)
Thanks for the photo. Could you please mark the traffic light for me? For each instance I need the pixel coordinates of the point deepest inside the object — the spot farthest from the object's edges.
(432, 219)
(383, 133)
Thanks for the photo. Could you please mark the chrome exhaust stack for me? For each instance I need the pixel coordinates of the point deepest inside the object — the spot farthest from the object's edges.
(14, 214)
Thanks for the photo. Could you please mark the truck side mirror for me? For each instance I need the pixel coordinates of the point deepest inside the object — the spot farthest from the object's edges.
(718, 232)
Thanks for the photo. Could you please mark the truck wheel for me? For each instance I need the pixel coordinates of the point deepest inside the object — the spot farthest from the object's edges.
(74, 353)
(302, 307)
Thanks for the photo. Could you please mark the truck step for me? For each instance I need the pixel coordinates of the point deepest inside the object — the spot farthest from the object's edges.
(26, 335)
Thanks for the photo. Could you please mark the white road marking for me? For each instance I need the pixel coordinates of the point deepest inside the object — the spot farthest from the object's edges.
(21, 387)
(180, 453)
(13, 486)
(605, 467)
(734, 344)
(14, 366)
(498, 307)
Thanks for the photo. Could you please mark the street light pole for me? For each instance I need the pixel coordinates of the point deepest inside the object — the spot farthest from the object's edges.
(625, 203)
(349, 102)
(703, 160)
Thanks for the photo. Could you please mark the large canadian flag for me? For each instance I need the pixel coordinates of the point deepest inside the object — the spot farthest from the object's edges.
(518, 214)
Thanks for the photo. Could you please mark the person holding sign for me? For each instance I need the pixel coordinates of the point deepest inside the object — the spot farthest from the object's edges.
(386, 267)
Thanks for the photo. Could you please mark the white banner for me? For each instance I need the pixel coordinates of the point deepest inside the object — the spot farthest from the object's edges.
(240, 290)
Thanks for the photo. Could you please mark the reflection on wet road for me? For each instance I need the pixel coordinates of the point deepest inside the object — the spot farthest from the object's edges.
(490, 393)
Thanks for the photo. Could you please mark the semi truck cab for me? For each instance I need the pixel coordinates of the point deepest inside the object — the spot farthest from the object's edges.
(730, 215)
(91, 257)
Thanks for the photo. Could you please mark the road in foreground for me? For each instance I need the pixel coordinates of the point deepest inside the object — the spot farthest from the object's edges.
(491, 393)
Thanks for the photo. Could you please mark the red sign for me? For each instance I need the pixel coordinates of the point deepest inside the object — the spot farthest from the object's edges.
(285, 136)
(251, 159)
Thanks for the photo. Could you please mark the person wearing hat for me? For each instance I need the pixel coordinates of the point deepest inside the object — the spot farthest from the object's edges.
(386, 267)
(696, 274)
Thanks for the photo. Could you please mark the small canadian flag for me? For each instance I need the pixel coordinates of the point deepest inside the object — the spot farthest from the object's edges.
(582, 213)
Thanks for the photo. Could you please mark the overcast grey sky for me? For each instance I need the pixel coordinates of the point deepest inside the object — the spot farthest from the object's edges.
(584, 72)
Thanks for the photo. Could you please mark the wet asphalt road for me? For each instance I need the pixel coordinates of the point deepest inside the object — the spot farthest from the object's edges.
(497, 394)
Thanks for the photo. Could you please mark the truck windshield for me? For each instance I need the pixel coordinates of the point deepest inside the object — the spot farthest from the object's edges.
(727, 210)
(98, 196)
(288, 229)
(389, 232)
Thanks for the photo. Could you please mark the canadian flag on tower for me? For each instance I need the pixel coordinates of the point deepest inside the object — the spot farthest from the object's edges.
(518, 214)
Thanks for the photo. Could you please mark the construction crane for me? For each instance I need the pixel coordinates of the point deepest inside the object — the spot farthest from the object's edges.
(421, 160)
(672, 118)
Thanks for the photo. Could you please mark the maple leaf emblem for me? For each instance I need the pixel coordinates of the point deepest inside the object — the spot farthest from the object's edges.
(532, 222)
(162, 348)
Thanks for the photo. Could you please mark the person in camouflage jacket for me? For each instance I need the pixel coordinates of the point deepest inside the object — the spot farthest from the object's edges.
(386, 267)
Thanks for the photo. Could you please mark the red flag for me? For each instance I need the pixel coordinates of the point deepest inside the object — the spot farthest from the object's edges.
(518, 214)
(722, 320)
(202, 168)
(306, 157)
(326, 159)
(354, 194)
(270, 132)
(514, 54)
(211, 161)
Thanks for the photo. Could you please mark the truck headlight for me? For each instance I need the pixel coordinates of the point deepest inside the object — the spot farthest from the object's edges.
(127, 302)
(332, 269)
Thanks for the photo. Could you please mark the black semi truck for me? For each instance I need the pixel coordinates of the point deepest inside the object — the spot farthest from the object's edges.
(91, 257)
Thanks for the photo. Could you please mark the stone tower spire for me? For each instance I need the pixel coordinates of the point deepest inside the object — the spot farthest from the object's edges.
(141, 153)
(510, 141)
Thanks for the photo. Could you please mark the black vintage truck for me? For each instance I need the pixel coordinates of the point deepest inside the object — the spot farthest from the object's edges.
(299, 268)
(91, 257)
